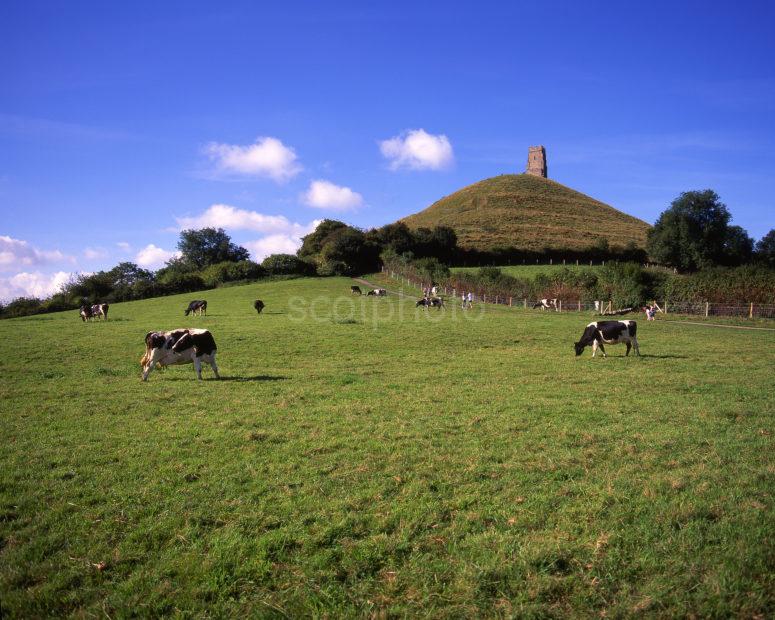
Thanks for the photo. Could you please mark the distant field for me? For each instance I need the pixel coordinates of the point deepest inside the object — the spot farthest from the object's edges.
(364, 458)
(529, 271)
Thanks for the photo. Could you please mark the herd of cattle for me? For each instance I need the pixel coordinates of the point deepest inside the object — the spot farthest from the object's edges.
(195, 346)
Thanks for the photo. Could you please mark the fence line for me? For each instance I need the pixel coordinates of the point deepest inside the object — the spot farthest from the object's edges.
(748, 310)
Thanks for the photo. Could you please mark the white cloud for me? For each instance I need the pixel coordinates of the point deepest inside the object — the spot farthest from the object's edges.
(15, 253)
(123, 245)
(231, 218)
(267, 157)
(280, 235)
(153, 256)
(272, 244)
(95, 253)
(418, 150)
(32, 284)
(326, 195)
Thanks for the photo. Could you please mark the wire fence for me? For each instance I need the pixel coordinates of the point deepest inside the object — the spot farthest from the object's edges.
(747, 310)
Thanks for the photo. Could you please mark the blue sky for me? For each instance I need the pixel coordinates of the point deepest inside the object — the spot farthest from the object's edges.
(122, 122)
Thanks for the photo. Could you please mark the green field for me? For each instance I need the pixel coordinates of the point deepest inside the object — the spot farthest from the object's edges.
(529, 272)
(363, 458)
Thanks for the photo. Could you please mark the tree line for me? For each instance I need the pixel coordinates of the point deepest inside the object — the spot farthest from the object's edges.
(693, 234)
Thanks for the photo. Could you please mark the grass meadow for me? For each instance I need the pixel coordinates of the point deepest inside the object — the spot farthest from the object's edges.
(363, 458)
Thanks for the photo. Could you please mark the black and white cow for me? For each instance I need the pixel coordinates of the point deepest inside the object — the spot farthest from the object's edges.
(356, 290)
(377, 292)
(179, 346)
(85, 313)
(258, 305)
(545, 304)
(608, 332)
(198, 306)
(430, 302)
(100, 311)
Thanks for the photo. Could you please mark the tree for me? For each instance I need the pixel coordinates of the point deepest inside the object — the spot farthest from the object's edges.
(765, 248)
(692, 233)
(208, 246)
(738, 246)
(348, 252)
(396, 236)
(313, 243)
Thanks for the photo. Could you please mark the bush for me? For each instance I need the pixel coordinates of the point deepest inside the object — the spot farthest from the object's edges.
(286, 265)
(229, 271)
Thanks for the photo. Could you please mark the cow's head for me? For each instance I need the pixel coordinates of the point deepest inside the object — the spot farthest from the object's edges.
(578, 347)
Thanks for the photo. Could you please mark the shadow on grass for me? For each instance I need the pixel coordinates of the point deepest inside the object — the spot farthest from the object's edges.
(255, 378)
(209, 377)
(665, 357)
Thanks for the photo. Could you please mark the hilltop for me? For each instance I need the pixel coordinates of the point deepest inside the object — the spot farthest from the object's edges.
(529, 213)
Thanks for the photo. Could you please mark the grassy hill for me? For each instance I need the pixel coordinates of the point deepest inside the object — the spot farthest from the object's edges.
(363, 458)
(529, 213)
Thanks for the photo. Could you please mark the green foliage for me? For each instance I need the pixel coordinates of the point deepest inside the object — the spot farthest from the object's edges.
(180, 281)
(339, 249)
(625, 284)
(286, 264)
(208, 246)
(228, 271)
(22, 306)
(431, 270)
(312, 244)
(765, 249)
(694, 233)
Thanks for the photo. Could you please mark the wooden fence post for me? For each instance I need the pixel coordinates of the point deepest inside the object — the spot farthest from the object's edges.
(509, 302)
(665, 306)
(484, 298)
(559, 307)
(750, 312)
(707, 307)
(579, 305)
(524, 303)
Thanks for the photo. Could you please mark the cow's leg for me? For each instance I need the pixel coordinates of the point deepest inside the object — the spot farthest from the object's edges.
(635, 345)
(594, 347)
(629, 346)
(214, 366)
(198, 367)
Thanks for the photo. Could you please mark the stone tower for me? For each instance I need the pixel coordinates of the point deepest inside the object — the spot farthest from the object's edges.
(536, 161)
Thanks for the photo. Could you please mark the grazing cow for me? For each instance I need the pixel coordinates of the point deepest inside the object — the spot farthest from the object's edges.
(100, 311)
(432, 302)
(258, 305)
(179, 346)
(198, 306)
(86, 313)
(377, 292)
(608, 332)
(545, 303)
(355, 290)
